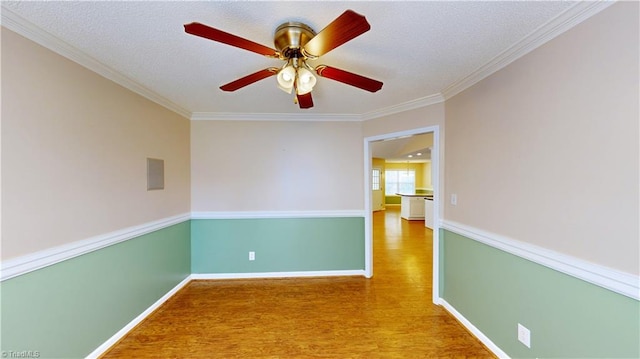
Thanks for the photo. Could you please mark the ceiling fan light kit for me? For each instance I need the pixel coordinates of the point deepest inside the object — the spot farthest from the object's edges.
(296, 43)
(304, 81)
(296, 73)
(286, 77)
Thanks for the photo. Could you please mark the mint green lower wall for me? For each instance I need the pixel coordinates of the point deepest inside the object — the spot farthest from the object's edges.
(68, 309)
(568, 317)
(280, 244)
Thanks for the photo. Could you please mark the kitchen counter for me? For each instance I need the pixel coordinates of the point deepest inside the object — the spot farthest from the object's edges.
(426, 196)
(412, 205)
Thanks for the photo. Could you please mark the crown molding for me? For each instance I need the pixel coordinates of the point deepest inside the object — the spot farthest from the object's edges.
(574, 15)
(18, 24)
(228, 116)
(571, 17)
(405, 106)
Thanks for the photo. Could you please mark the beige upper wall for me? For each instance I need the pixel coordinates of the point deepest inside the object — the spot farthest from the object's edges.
(276, 166)
(546, 150)
(74, 149)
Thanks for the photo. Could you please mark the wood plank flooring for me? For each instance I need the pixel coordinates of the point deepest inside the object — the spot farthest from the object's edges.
(388, 316)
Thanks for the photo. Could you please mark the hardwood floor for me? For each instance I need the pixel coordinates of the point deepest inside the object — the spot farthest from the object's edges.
(388, 316)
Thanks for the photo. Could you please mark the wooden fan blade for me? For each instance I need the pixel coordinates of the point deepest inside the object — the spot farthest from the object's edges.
(345, 27)
(249, 79)
(210, 33)
(305, 101)
(349, 78)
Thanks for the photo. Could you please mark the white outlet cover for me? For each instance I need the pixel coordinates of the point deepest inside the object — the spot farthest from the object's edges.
(524, 335)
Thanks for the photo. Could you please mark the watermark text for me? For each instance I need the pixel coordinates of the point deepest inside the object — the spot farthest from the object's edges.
(20, 354)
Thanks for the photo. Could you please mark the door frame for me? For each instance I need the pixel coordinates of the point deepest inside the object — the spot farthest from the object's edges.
(435, 180)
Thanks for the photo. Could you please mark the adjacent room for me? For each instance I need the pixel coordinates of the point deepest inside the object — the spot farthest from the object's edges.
(320, 179)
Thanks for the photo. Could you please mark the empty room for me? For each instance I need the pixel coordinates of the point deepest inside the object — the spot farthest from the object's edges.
(297, 179)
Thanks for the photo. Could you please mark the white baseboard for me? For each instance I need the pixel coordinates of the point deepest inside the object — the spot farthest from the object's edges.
(333, 273)
(475, 331)
(137, 320)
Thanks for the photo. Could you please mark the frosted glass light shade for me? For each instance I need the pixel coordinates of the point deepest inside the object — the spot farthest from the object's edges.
(305, 81)
(286, 78)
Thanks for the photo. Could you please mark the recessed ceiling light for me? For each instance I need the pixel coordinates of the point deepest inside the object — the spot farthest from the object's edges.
(410, 156)
(419, 153)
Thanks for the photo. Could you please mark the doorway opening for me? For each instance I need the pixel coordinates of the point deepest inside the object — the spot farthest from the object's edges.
(435, 176)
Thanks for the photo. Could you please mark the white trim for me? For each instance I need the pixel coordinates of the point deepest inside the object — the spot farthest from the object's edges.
(226, 116)
(436, 166)
(28, 263)
(137, 320)
(571, 17)
(20, 265)
(212, 276)
(581, 11)
(328, 273)
(405, 106)
(475, 331)
(436, 170)
(15, 22)
(614, 280)
(368, 218)
(277, 214)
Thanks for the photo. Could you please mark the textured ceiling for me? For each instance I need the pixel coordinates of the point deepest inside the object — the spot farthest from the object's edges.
(418, 49)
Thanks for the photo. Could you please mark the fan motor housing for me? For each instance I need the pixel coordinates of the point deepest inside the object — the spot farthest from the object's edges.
(290, 37)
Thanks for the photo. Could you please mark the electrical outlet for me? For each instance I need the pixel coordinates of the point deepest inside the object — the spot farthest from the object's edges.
(252, 256)
(524, 335)
(454, 199)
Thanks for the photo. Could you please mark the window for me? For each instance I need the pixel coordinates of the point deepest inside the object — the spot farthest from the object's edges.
(399, 181)
(375, 179)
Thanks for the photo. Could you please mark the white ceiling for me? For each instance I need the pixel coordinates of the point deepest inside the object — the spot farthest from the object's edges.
(399, 149)
(418, 49)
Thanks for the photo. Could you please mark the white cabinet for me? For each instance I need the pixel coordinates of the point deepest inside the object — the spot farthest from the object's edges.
(412, 207)
(428, 213)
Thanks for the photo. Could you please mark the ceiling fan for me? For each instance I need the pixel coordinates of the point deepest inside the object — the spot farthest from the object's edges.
(296, 43)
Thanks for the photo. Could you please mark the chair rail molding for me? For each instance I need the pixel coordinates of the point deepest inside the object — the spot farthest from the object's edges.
(617, 281)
